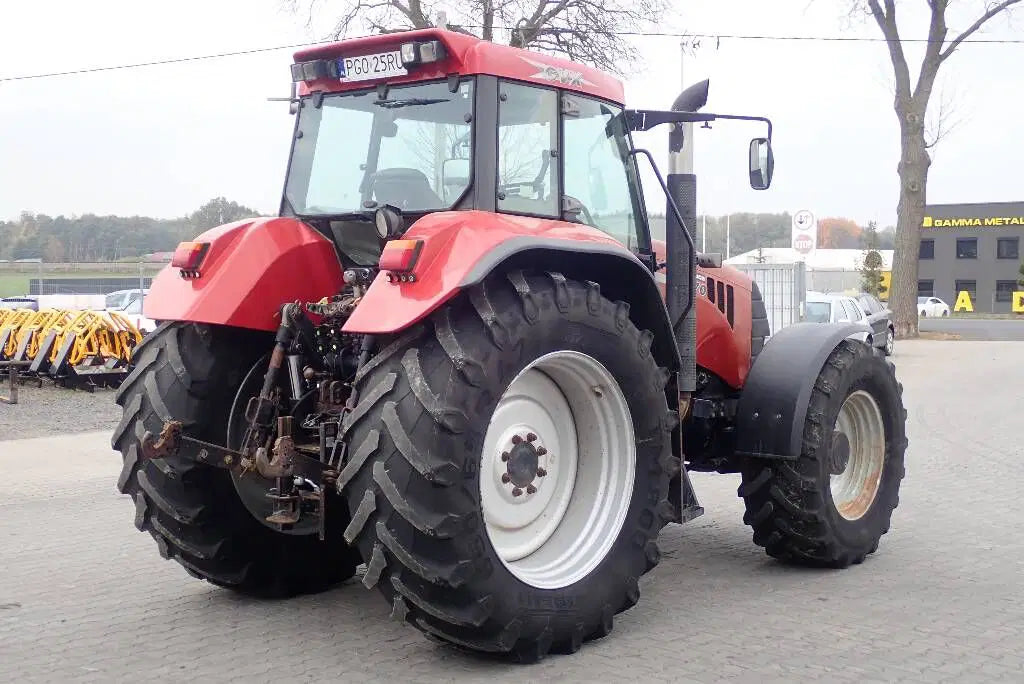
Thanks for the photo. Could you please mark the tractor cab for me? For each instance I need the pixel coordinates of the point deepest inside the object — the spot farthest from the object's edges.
(403, 125)
(538, 141)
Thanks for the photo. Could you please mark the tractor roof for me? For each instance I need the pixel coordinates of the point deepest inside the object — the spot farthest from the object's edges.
(465, 55)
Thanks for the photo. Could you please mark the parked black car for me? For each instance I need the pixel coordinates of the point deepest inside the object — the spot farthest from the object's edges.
(879, 317)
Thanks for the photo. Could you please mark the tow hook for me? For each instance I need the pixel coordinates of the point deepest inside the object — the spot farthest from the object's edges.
(282, 457)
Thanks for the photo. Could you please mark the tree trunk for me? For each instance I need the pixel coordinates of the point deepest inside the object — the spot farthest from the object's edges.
(913, 174)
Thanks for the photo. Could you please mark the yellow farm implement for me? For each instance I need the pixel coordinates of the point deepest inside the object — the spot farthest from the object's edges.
(82, 349)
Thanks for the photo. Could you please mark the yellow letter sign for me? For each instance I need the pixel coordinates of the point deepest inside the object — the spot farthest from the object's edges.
(883, 289)
(963, 300)
(1018, 302)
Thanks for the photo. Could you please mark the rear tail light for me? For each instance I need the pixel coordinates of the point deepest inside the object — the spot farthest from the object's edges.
(188, 257)
(399, 258)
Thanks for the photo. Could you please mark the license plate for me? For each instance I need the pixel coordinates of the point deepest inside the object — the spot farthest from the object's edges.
(380, 65)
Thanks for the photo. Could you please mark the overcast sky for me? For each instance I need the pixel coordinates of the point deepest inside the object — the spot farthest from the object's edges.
(162, 140)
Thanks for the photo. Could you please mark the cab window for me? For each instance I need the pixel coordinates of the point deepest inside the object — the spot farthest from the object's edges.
(527, 149)
(600, 175)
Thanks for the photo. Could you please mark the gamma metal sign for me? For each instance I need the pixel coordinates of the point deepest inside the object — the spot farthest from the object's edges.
(972, 222)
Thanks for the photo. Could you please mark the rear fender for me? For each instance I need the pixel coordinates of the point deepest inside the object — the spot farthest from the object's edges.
(488, 242)
(252, 267)
(773, 404)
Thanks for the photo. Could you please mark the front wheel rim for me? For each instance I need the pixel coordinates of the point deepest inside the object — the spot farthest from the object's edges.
(857, 455)
(557, 470)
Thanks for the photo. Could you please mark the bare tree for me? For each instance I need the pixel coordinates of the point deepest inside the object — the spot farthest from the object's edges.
(911, 106)
(587, 31)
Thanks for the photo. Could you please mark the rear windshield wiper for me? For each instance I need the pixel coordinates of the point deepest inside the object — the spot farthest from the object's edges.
(409, 102)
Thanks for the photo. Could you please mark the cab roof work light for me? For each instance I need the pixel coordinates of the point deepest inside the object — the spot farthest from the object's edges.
(422, 52)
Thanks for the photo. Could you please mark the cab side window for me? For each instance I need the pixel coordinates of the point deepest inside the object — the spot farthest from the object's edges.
(527, 149)
(599, 172)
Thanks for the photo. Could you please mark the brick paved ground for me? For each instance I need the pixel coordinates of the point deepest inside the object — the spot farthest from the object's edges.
(85, 597)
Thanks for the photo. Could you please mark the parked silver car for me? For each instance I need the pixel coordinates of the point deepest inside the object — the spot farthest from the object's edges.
(821, 307)
(879, 317)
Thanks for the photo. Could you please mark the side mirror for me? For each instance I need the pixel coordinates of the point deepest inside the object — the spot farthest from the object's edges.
(762, 163)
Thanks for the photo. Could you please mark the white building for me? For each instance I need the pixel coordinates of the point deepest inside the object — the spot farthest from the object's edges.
(817, 260)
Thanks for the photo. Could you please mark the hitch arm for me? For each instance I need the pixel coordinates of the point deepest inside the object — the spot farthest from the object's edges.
(170, 440)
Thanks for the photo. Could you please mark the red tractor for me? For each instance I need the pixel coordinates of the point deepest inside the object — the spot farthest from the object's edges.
(458, 357)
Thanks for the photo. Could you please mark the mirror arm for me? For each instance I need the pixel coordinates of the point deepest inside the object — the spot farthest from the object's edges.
(682, 225)
(646, 119)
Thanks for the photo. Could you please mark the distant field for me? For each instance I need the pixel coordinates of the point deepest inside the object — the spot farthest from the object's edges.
(12, 284)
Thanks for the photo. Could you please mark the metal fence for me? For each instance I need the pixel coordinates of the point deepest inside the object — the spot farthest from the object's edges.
(49, 286)
(784, 289)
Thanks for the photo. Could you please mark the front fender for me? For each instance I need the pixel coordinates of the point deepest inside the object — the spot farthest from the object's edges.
(773, 404)
(250, 269)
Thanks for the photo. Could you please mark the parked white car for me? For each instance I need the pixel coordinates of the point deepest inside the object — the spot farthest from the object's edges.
(133, 312)
(119, 299)
(932, 306)
(836, 308)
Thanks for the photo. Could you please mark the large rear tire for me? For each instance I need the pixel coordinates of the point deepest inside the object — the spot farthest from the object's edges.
(190, 372)
(458, 426)
(831, 507)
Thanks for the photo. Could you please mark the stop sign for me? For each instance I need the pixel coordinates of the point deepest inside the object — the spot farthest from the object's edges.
(803, 243)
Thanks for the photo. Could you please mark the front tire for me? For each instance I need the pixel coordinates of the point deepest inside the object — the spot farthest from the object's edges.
(831, 506)
(190, 372)
(479, 388)
(890, 342)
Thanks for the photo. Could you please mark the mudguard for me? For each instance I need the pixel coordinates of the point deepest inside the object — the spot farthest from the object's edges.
(773, 404)
(251, 268)
(461, 247)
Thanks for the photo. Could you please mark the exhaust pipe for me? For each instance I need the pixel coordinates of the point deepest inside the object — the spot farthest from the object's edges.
(682, 259)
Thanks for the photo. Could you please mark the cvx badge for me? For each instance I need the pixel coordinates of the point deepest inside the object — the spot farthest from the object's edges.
(549, 72)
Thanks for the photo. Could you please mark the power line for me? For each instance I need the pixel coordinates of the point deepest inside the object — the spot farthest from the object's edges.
(172, 60)
(716, 36)
(736, 36)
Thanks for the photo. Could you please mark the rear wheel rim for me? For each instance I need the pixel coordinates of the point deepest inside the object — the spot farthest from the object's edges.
(858, 455)
(889, 342)
(557, 470)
